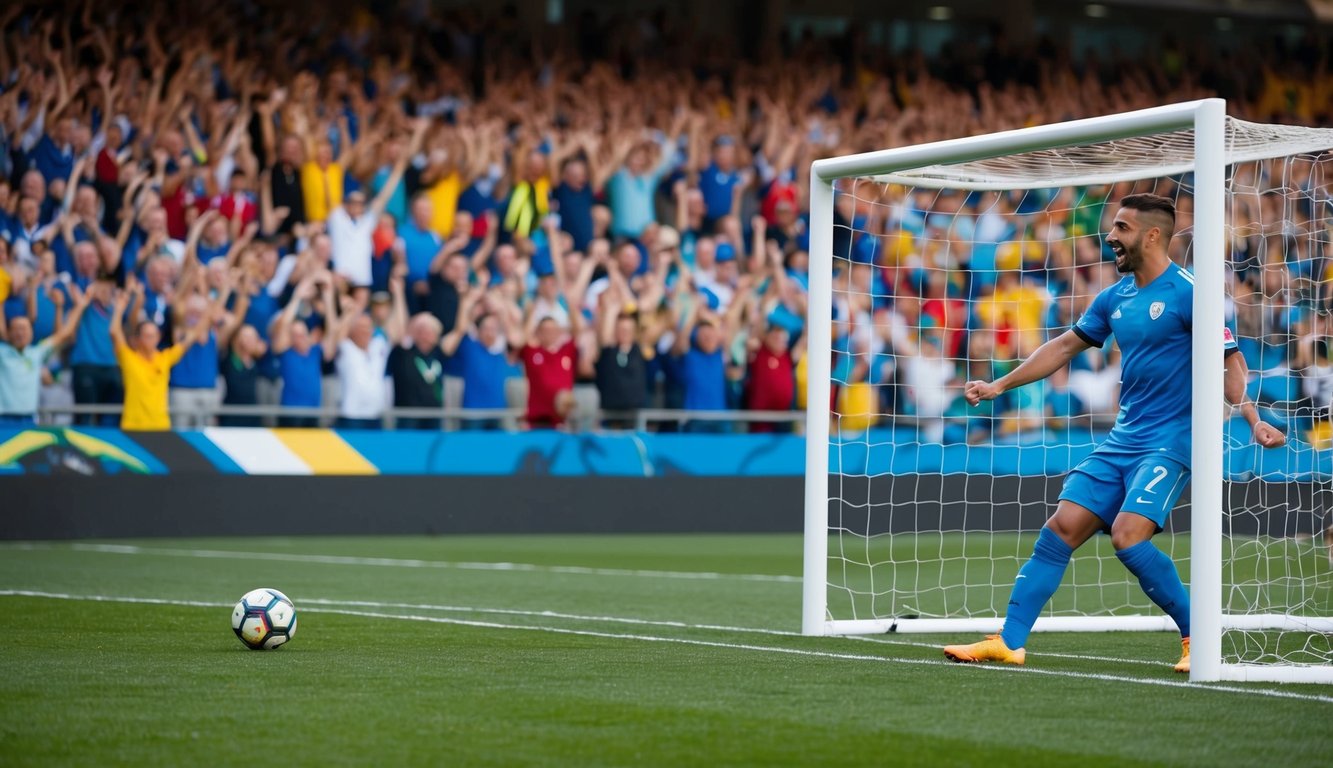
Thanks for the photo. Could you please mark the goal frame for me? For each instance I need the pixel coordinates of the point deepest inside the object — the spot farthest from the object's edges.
(1207, 118)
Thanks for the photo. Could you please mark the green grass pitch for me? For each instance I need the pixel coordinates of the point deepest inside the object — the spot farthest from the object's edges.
(582, 650)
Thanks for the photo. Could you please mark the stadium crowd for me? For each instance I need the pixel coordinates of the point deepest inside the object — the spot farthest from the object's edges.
(427, 210)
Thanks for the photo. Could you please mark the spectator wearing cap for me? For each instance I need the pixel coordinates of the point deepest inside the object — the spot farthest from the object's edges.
(720, 182)
(22, 359)
(771, 381)
(352, 225)
(144, 368)
(351, 234)
(381, 311)
(720, 285)
(549, 301)
(300, 355)
(26, 231)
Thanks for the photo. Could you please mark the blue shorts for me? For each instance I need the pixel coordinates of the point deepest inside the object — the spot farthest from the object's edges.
(1147, 484)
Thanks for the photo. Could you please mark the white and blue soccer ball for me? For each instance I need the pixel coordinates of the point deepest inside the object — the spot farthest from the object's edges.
(264, 619)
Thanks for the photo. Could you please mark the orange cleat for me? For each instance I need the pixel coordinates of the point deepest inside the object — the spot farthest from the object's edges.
(990, 649)
(1184, 664)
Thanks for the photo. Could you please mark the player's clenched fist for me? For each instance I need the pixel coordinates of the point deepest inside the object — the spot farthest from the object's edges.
(976, 391)
(1268, 436)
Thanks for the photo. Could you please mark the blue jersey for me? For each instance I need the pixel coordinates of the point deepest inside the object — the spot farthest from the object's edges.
(1152, 326)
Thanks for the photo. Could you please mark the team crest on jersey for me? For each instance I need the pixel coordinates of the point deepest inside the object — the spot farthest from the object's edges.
(1156, 308)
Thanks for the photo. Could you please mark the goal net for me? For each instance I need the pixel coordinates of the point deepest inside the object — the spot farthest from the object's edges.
(943, 263)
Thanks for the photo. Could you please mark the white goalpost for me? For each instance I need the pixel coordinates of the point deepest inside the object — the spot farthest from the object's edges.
(936, 263)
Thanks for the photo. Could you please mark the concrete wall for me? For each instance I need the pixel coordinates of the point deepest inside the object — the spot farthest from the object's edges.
(123, 506)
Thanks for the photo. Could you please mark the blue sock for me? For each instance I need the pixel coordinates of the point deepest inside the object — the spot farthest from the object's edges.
(1037, 581)
(1160, 581)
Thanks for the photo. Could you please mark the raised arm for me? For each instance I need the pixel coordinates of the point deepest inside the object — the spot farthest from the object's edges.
(135, 290)
(198, 333)
(1049, 358)
(232, 321)
(240, 243)
(1233, 386)
(282, 329)
(731, 319)
(682, 342)
(610, 306)
(267, 131)
(396, 328)
(117, 327)
(453, 245)
(270, 217)
(336, 324)
(450, 341)
(680, 191)
(377, 206)
(70, 325)
(482, 256)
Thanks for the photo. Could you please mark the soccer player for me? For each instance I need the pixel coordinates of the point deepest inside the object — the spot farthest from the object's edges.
(1130, 482)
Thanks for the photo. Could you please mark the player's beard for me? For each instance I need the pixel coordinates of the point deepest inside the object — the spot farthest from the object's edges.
(1128, 261)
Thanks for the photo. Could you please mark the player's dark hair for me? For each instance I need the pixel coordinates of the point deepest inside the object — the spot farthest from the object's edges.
(1162, 207)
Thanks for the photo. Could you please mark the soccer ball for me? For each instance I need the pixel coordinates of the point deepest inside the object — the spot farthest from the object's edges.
(264, 619)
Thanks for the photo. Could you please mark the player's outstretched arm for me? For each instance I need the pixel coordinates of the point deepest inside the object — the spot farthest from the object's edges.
(1233, 386)
(1049, 358)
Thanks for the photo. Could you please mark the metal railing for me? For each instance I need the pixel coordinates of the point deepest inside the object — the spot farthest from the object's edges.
(511, 419)
(449, 419)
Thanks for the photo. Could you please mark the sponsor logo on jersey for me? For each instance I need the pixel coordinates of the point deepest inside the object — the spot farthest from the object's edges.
(1156, 308)
(1116, 314)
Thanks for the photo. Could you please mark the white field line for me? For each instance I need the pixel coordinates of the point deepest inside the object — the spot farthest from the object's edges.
(217, 554)
(1280, 694)
(676, 624)
(389, 562)
(1043, 654)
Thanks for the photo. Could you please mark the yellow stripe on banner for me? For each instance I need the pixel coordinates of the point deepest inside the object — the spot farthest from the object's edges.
(325, 452)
